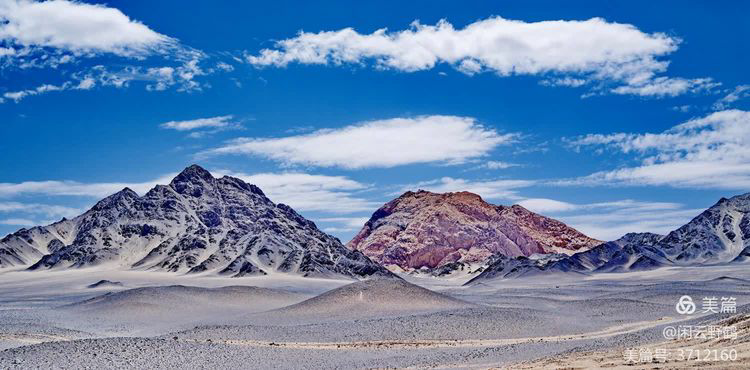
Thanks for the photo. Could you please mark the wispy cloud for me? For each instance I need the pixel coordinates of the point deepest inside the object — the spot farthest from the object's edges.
(18, 222)
(74, 188)
(497, 165)
(739, 92)
(343, 224)
(382, 143)
(47, 210)
(708, 152)
(31, 214)
(488, 189)
(48, 34)
(310, 192)
(611, 220)
(17, 96)
(204, 126)
(666, 86)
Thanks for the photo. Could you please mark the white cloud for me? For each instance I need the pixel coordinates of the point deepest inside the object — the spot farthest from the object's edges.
(17, 96)
(501, 45)
(566, 81)
(200, 123)
(543, 205)
(498, 165)
(48, 210)
(612, 223)
(182, 75)
(666, 86)
(575, 51)
(86, 84)
(708, 152)
(18, 222)
(48, 34)
(487, 189)
(155, 78)
(74, 188)
(611, 220)
(308, 192)
(225, 67)
(556, 206)
(7, 51)
(76, 27)
(682, 108)
(382, 143)
(739, 92)
(345, 224)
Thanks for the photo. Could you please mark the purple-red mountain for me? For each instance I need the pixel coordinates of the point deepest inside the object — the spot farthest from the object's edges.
(430, 230)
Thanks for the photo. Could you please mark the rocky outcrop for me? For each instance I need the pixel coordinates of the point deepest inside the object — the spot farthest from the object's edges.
(428, 230)
(553, 235)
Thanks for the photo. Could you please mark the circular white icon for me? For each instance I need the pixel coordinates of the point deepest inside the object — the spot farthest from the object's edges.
(685, 305)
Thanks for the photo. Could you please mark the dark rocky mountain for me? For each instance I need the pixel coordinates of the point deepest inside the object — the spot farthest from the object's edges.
(721, 234)
(624, 254)
(196, 224)
(422, 229)
(718, 234)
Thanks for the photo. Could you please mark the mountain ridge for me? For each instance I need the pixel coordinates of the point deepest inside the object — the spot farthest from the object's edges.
(718, 235)
(196, 224)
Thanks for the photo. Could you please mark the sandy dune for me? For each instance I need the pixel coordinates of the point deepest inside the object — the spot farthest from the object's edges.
(166, 300)
(377, 297)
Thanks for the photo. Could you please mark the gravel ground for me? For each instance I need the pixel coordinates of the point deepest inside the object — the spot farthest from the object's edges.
(526, 323)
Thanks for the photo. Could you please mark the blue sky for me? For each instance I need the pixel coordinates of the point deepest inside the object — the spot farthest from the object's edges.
(612, 117)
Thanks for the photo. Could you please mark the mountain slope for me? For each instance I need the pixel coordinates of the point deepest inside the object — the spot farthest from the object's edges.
(428, 230)
(720, 234)
(374, 297)
(553, 235)
(628, 253)
(195, 224)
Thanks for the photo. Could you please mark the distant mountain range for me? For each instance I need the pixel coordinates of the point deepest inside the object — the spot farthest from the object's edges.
(425, 230)
(201, 224)
(195, 224)
(719, 235)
